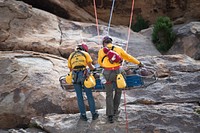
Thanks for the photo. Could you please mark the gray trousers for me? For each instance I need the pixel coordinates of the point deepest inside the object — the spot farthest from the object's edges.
(112, 103)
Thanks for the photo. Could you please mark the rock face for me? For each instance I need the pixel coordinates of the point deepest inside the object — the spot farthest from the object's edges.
(187, 40)
(29, 83)
(63, 9)
(180, 11)
(29, 86)
(25, 28)
(46, 33)
(169, 105)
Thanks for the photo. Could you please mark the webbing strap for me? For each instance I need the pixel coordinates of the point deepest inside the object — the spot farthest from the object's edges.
(75, 52)
(95, 11)
(111, 12)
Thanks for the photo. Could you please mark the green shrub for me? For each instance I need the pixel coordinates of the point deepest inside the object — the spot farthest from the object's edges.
(140, 24)
(163, 36)
(198, 111)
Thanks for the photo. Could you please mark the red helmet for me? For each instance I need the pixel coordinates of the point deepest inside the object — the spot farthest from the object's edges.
(107, 39)
(83, 47)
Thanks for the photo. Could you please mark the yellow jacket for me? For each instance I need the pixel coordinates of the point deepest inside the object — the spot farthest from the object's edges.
(124, 55)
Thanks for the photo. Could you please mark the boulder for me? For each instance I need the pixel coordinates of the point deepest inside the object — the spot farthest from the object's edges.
(171, 104)
(29, 86)
(187, 40)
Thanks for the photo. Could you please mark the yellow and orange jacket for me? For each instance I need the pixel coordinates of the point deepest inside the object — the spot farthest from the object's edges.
(80, 58)
(104, 61)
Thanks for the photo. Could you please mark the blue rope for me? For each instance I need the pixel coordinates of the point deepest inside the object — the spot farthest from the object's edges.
(111, 12)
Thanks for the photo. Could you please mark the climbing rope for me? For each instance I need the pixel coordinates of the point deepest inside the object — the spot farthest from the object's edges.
(95, 11)
(111, 12)
(124, 91)
(125, 110)
(130, 22)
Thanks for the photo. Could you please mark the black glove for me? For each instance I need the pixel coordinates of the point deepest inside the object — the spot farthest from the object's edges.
(141, 65)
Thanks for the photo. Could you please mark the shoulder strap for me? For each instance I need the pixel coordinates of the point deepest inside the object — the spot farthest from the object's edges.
(112, 47)
(78, 51)
(103, 58)
(75, 52)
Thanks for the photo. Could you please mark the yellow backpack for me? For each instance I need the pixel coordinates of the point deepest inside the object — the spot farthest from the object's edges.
(78, 58)
(68, 78)
(90, 81)
(121, 83)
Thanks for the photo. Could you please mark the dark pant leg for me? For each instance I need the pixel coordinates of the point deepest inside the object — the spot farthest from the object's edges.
(78, 86)
(117, 98)
(112, 104)
(109, 99)
(80, 101)
(90, 98)
(110, 76)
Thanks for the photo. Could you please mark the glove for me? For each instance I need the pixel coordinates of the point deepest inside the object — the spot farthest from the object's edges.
(141, 65)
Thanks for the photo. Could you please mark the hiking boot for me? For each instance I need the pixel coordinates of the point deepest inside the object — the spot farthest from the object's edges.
(83, 117)
(110, 119)
(95, 116)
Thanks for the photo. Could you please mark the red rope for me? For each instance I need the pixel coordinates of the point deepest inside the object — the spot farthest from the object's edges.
(129, 31)
(125, 111)
(95, 11)
(130, 22)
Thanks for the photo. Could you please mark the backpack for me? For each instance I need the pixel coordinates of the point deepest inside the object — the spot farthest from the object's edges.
(77, 58)
(113, 56)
